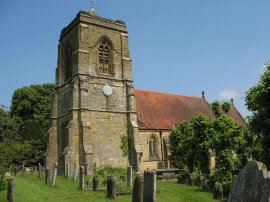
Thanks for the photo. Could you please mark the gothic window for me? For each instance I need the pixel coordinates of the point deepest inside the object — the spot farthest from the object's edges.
(153, 147)
(105, 59)
(68, 61)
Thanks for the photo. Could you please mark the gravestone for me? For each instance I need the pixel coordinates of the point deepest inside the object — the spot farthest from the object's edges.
(205, 185)
(95, 183)
(129, 175)
(137, 195)
(218, 191)
(10, 190)
(191, 180)
(252, 184)
(54, 174)
(67, 170)
(47, 176)
(149, 186)
(75, 172)
(86, 169)
(111, 189)
(81, 177)
(39, 170)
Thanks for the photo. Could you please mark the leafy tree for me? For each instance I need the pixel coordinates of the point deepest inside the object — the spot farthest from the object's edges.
(258, 102)
(191, 143)
(8, 126)
(32, 104)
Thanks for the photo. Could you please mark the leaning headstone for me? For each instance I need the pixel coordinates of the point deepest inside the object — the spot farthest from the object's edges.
(149, 186)
(111, 189)
(218, 191)
(10, 190)
(39, 170)
(54, 174)
(75, 172)
(129, 175)
(81, 177)
(47, 176)
(95, 183)
(137, 195)
(252, 184)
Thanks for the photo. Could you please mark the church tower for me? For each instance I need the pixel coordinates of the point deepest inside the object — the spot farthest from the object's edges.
(93, 109)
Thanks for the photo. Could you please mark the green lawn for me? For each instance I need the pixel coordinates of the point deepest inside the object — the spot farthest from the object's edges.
(29, 188)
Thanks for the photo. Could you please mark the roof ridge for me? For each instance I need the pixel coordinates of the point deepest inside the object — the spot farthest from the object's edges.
(150, 91)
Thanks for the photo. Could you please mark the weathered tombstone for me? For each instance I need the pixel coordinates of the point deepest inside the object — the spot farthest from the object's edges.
(86, 169)
(81, 177)
(75, 172)
(39, 170)
(191, 180)
(67, 169)
(218, 191)
(10, 190)
(200, 181)
(205, 185)
(47, 176)
(95, 183)
(23, 169)
(129, 175)
(54, 174)
(137, 195)
(149, 186)
(252, 184)
(111, 189)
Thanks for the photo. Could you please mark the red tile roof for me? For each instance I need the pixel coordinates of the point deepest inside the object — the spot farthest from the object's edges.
(157, 110)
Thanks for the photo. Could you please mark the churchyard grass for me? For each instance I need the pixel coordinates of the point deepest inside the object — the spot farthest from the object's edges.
(31, 189)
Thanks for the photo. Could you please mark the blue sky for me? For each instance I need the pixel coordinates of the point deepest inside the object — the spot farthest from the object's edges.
(177, 46)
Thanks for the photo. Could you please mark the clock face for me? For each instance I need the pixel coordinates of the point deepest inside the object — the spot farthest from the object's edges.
(107, 90)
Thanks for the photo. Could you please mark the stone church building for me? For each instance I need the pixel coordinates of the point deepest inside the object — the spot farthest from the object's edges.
(95, 104)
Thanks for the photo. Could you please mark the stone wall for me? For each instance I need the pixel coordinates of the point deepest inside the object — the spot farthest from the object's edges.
(144, 136)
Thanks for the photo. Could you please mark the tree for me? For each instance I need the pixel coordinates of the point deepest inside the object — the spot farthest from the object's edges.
(8, 126)
(191, 143)
(258, 102)
(32, 104)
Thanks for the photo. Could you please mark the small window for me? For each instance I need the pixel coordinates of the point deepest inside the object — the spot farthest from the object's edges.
(68, 61)
(153, 147)
(105, 61)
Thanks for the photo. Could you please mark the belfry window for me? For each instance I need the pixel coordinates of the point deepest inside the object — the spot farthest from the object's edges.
(105, 61)
(153, 147)
(68, 61)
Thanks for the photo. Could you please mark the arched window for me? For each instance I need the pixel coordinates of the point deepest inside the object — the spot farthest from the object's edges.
(105, 58)
(153, 147)
(68, 61)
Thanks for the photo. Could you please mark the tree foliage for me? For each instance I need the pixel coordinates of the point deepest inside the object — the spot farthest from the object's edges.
(192, 143)
(258, 102)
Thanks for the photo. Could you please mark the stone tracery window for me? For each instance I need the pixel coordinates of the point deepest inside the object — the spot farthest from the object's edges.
(153, 147)
(105, 59)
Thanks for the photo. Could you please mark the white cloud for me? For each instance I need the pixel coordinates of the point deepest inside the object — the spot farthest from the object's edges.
(228, 94)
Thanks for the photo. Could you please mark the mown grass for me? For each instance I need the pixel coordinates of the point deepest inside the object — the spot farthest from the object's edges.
(29, 188)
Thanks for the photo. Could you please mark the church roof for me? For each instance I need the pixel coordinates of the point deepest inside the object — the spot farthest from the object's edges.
(157, 110)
